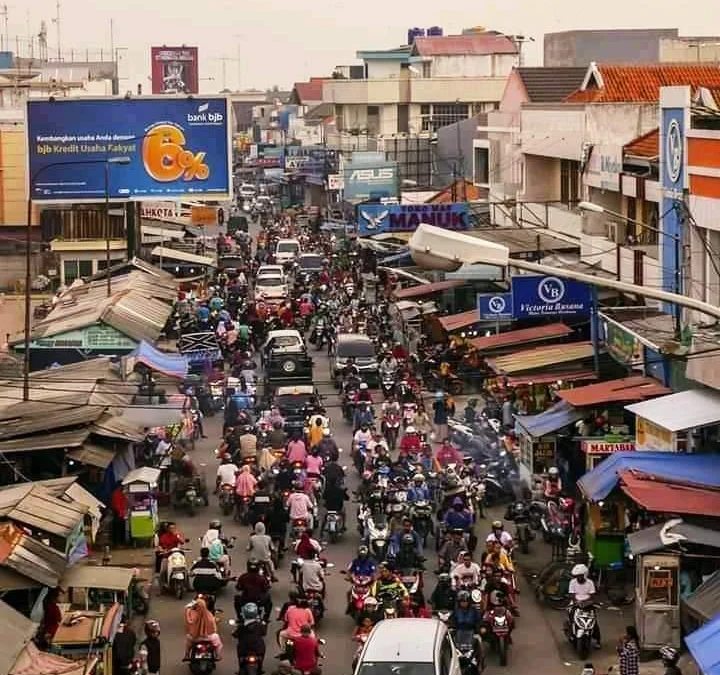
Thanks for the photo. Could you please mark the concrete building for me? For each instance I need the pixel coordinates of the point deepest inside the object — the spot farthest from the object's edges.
(243, 103)
(690, 50)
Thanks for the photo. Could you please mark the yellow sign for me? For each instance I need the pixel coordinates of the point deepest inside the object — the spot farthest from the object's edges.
(204, 215)
(650, 436)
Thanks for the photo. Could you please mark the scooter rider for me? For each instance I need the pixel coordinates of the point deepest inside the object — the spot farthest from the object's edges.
(553, 483)
(669, 656)
(335, 496)
(226, 472)
(465, 617)
(459, 518)
(363, 565)
(170, 538)
(300, 506)
(499, 533)
(419, 492)
(250, 634)
(467, 573)
(328, 447)
(397, 539)
(364, 416)
(206, 575)
(444, 596)
(253, 587)
(410, 443)
(581, 590)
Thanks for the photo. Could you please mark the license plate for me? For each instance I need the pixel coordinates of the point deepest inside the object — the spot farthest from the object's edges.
(500, 631)
(262, 500)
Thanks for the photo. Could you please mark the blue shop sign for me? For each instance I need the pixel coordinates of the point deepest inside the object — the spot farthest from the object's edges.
(495, 306)
(379, 218)
(541, 296)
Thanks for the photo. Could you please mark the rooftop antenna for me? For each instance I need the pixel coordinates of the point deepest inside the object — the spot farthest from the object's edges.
(42, 42)
(56, 21)
(4, 36)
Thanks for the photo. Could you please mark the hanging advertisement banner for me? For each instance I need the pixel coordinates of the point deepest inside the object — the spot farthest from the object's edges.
(495, 306)
(170, 147)
(335, 181)
(204, 215)
(379, 218)
(540, 296)
(174, 70)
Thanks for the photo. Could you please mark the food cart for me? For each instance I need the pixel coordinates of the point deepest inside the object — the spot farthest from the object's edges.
(141, 487)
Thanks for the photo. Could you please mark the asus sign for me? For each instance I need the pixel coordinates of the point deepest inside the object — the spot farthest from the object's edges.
(370, 182)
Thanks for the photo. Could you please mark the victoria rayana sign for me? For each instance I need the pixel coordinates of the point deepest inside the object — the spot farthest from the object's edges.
(379, 218)
(538, 296)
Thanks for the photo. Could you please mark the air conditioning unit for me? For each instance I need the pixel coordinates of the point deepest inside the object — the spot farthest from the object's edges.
(617, 231)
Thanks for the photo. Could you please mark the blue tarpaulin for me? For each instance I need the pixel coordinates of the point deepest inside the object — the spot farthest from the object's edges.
(172, 365)
(704, 645)
(557, 417)
(696, 469)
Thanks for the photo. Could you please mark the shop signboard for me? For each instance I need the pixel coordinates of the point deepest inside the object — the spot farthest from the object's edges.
(158, 210)
(603, 447)
(204, 215)
(175, 147)
(379, 218)
(495, 306)
(549, 296)
(650, 436)
(543, 453)
(335, 181)
(308, 159)
(624, 347)
(364, 181)
(174, 70)
(604, 167)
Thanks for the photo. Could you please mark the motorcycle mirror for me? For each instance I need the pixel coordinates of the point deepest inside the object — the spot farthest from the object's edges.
(322, 641)
(232, 622)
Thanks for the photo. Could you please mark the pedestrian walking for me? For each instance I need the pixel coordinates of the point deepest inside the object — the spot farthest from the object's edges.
(629, 652)
(440, 417)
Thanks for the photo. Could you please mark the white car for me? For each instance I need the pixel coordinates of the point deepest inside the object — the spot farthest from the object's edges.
(247, 191)
(270, 271)
(271, 288)
(283, 341)
(287, 250)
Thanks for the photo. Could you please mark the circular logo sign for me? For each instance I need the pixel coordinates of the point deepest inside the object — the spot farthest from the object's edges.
(496, 304)
(674, 151)
(551, 290)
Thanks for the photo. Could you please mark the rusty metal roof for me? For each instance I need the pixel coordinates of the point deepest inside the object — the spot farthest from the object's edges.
(637, 388)
(60, 419)
(521, 336)
(580, 374)
(63, 439)
(115, 426)
(459, 45)
(30, 557)
(646, 146)
(427, 289)
(92, 455)
(458, 321)
(541, 357)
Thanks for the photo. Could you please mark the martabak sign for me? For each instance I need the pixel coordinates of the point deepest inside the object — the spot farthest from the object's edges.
(379, 218)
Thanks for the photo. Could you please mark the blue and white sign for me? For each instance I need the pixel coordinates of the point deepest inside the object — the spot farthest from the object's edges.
(540, 296)
(363, 182)
(175, 147)
(379, 218)
(495, 306)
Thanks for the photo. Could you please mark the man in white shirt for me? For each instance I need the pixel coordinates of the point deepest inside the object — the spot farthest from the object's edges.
(581, 589)
(362, 435)
(467, 574)
(226, 473)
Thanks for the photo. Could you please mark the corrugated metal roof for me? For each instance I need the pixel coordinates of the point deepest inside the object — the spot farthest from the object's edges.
(675, 530)
(685, 410)
(12, 581)
(53, 401)
(427, 289)
(704, 601)
(17, 631)
(39, 509)
(183, 256)
(92, 455)
(558, 416)
(550, 85)
(97, 576)
(62, 439)
(30, 557)
(114, 426)
(541, 357)
(141, 282)
(525, 239)
(546, 378)
(704, 645)
(522, 336)
(636, 388)
(70, 417)
(458, 45)
(654, 494)
(135, 264)
(457, 321)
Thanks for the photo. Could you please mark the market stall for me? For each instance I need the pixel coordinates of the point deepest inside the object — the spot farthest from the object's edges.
(141, 487)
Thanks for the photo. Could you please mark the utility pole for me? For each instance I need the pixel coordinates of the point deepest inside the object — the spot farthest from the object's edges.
(56, 21)
(5, 39)
(224, 60)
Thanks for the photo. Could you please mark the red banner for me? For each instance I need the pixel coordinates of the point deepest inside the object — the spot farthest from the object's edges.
(174, 70)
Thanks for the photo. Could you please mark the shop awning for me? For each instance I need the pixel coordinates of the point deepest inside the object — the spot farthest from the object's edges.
(697, 470)
(547, 378)
(97, 576)
(427, 289)
(625, 389)
(557, 417)
(704, 645)
(654, 494)
(458, 321)
(666, 534)
(677, 412)
(540, 357)
(165, 253)
(522, 336)
(172, 365)
(92, 455)
(704, 601)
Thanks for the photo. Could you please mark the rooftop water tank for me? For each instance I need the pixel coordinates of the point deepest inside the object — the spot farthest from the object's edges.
(414, 33)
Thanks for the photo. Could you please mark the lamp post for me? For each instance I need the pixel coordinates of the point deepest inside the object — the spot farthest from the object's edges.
(28, 250)
(677, 241)
(110, 160)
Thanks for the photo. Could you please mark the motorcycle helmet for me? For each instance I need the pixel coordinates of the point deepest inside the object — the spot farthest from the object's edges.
(253, 565)
(418, 478)
(410, 430)
(250, 612)
(669, 655)
(579, 570)
(476, 596)
(363, 386)
(215, 524)
(444, 578)
(370, 602)
(439, 396)
(463, 596)
(497, 525)
(298, 486)
(363, 551)
(326, 432)
(519, 508)
(553, 472)
(152, 626)
(407, 540)
(458, 504)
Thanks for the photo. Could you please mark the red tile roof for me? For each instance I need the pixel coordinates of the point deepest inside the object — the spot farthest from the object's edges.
(427, 289)
(464, 191)
(640, 83)
(461, 320)
(636, 388)
(654, 494)
(310, 91)
(456, 45)
(518, 337)
(647, 145)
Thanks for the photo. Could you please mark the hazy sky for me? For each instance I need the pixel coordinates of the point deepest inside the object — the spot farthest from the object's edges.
(282, 41)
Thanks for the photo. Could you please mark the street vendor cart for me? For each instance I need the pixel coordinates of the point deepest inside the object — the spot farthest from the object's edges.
(141, 487)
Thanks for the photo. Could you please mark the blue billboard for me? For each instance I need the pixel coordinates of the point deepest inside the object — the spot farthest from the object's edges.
(175, 147)
(379, 218)
(541, 296)
(495, 306)
(376, 181)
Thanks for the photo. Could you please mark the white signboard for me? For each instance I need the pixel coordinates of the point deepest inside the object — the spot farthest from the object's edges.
(335, 181)
(158, 210)
(604, 167)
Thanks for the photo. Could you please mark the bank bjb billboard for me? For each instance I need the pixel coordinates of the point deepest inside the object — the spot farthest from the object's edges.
(174, 70)
(138, 149)
(370, 181)
(379, 218)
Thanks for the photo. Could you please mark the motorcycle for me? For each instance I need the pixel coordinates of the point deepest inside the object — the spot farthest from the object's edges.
(359, 591)
(470, 652)
(580, 627)
(189, 499)
(387, 384)
(391, 429)
(378, 536)
(201, 657)
(299, 525)
(242, 508)
(499, 628)
(227, 499)
(520, 515)
(422, 519)
(333, 526)
(408, 414)
(175, 581)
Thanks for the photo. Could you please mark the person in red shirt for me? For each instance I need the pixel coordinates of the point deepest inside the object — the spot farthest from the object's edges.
(410, 443)
(119, 505)
(52, 617)
(399, 352)
(286, 315)
(448, 454)
(170, 537)
(306, 651)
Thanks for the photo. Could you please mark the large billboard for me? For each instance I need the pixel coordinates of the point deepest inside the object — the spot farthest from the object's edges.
(175, 147)
(379, 218)
(377, 181)
(174, 70)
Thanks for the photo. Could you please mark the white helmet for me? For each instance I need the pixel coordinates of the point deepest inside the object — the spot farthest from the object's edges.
(363, 386)
(410, 430)
(553, 471)
(579, 570)
(326, 432)
(418, 478)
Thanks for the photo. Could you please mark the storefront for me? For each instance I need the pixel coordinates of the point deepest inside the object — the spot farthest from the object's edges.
(598, 449)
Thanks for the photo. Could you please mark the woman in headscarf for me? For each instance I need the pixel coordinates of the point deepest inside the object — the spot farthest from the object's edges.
(200, 624)
(213, 542)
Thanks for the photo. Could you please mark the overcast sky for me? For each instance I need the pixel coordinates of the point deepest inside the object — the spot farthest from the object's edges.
(282, 41)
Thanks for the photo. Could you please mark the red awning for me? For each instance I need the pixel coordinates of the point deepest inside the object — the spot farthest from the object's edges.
(458, 321)
(518, 337)
(655, 495)
(638, 388)
(547, 378)
(427, 289)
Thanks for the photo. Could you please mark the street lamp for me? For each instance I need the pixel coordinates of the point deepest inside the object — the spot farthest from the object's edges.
(677, 240)
(28, 248)
(439, 249)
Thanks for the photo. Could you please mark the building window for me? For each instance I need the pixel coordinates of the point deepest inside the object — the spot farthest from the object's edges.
(481, 166)
(441, 114)
(569, 173)
(427, 69)
(75, 269)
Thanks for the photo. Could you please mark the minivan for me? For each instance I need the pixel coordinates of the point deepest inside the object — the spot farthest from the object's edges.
(359, 347)
(286, 250)
(409, 647)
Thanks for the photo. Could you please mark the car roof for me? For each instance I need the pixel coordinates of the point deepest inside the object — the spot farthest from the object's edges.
(270, 268)
(404, 640)
(288, 241)
(353, 337)
(310, 254)
(285, 332)
(291, 390)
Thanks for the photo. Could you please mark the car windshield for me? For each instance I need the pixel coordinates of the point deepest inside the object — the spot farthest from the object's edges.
(310, 262)
(288, 247)
(356, 349)
(291, 401)
(394, 668)
(286, 341)
(270, 281)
